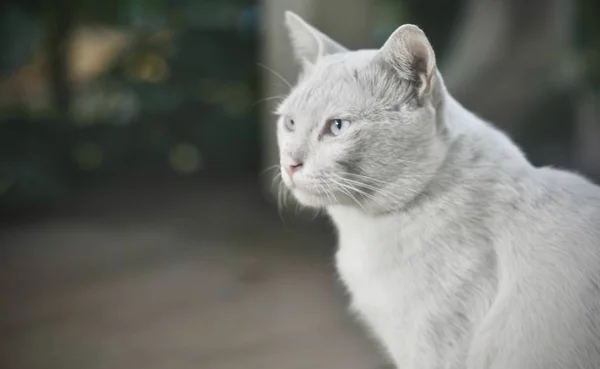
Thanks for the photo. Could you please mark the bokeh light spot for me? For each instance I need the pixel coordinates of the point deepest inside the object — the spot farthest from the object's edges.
(147, 67)
(185, 158)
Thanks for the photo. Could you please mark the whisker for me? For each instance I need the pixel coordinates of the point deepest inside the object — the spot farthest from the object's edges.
(268, 99)
(276, 181)
(276, 74)
(270, 167)
(388, 184)
(342, 187)
(323, 189)
(379, 196)
(385, 191)
(372, 197)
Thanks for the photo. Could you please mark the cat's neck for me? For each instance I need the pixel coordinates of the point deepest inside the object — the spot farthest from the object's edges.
(479, 136)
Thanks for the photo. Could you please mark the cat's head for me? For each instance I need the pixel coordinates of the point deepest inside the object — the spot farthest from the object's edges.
(361, 127)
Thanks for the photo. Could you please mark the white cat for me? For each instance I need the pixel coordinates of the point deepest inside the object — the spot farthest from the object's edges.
(456, 251)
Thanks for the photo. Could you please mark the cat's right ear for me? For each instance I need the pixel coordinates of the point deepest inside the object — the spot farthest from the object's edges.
(309, 43)
(409, 52)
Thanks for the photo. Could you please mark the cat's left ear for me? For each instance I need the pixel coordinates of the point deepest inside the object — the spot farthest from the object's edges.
(409, 52)
(309, 43)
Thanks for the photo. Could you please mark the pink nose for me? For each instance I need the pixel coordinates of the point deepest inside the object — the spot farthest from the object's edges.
(294, 167)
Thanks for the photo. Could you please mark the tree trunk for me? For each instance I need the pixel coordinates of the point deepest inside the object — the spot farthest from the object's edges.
(507, 56)
(59, 25)
(588, 134)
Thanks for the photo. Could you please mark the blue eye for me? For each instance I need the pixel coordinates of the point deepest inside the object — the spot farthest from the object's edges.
(289, 124)
(338, 126)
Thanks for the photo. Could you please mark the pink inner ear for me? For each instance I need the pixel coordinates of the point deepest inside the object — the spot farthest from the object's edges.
(409, 51)
(415, 56)
(424, 67)
(421, 57)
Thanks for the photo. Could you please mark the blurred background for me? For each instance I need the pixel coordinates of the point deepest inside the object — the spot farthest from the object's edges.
(139, 226)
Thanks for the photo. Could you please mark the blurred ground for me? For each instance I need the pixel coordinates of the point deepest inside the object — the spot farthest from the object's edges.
(173, 276)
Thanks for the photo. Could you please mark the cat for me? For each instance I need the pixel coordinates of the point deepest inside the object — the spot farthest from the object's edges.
(455, 250)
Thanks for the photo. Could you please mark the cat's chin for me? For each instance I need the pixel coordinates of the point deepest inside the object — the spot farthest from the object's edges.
(311, 200)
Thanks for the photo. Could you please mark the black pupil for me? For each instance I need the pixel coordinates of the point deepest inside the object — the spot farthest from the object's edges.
(338, 123)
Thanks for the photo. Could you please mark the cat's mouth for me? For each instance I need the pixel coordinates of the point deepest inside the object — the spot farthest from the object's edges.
(305, 194)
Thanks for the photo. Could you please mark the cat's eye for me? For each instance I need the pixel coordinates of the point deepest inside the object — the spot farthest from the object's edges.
(338, 126)
(289, 123)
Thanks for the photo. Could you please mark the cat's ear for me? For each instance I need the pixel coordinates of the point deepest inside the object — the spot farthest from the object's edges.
(409, 52)
(309, 43)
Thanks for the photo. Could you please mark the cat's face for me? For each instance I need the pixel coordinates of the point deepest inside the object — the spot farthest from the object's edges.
(354, 124)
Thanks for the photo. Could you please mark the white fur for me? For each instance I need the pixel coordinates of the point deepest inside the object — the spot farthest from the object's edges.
(456, 251)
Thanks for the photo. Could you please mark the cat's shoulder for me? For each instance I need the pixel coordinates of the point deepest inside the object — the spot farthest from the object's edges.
(555, 203)
(558, 187)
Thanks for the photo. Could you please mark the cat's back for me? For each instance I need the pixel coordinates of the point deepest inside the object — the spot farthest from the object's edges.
(546, 313)
(552, 210)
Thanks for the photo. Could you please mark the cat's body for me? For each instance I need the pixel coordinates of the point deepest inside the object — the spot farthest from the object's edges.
(456, 251)
(494, 266)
